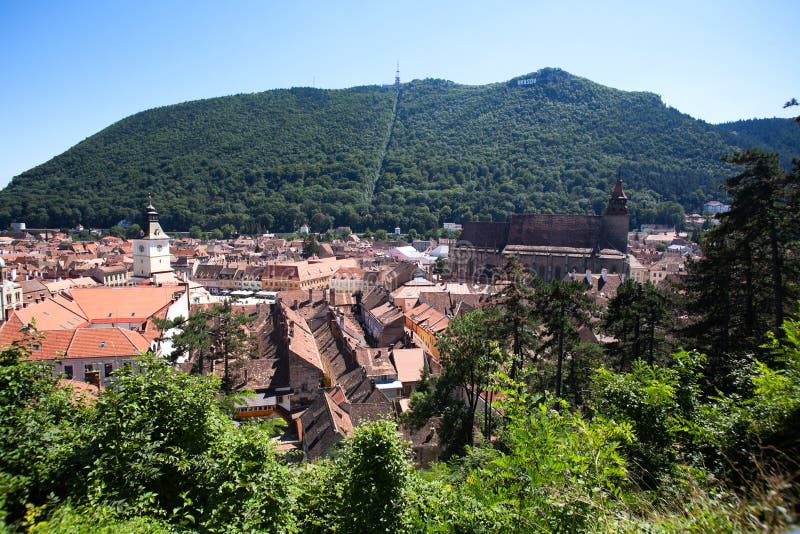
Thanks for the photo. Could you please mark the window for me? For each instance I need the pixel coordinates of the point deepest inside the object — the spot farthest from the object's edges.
(68, 371)
(108, 370)
(90, 375)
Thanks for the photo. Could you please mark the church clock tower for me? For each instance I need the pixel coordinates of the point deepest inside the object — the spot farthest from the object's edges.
(151, 253)
(617, 218)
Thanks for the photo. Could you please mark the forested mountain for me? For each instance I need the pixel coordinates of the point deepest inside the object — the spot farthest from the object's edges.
(368, 157)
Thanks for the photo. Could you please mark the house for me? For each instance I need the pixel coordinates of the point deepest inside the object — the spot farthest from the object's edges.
(407, 296)
(313, 274)
(715, 206)
(333, 416)
(34, 291)
(410, 364)
(385, 324)
(391, 276)
(271, 397)
(299, 351)
(208, 274)
(11, 297)
(89, 355)
(347, 280)
(427, 323)
(123, 318)
(452, 303)
(324, 423)
(251, 278)
(638, 271)
(378, 368)
(109, 275)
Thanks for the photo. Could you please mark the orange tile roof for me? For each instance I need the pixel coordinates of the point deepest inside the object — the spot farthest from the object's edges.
(409, 363)
(81, 392)
(122, 304)
(106, 342)
(52, 314)
(429, 318)
(342, 424)
(301, 340)
(50, 345)
(80, 343)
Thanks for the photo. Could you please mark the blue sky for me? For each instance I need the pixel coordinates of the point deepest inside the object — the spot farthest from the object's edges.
(69, 69)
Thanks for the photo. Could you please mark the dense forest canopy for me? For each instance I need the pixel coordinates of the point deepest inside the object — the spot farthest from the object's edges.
(368, 157)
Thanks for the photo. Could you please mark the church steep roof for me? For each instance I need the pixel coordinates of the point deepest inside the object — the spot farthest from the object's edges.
(568, 231)
(492, 235)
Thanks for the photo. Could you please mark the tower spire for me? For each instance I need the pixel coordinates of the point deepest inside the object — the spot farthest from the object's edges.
(618, 201)
(397, 75)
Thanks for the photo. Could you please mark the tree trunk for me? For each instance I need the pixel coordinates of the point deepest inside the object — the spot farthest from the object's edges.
(749, 307)
(777, 278)
(560, 362)
(651, 335)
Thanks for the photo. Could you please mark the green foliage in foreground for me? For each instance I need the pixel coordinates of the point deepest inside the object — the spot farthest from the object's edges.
(157, 453)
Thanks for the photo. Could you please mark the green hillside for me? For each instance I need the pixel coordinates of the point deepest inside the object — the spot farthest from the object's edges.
(276, 159)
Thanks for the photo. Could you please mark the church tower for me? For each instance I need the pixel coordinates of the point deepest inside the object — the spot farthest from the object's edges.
(151, 252)
(616, 219)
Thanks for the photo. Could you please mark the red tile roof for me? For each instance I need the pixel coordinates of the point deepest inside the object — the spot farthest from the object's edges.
(122, 304)
(80, 343)
(429, 318)
(409, 363)
(301, 339)
(106, 342)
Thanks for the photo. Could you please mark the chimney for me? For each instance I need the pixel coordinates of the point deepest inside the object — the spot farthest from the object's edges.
(310, 295)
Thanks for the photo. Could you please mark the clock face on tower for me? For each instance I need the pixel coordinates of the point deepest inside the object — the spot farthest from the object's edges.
(159, 247)
(141, 248)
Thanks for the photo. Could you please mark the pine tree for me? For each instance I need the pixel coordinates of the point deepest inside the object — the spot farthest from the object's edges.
(310, 246)
(515, 319)
(634, 317)
(763, 211)
(562, 306)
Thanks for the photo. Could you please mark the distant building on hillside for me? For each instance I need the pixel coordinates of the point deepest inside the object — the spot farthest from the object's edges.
(715, 206)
